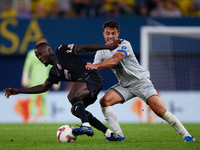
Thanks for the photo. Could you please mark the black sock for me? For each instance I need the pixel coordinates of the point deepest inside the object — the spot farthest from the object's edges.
(80, 109)
(96, 123)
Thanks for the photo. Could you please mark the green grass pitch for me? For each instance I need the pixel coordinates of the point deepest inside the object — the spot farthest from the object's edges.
(138, 137)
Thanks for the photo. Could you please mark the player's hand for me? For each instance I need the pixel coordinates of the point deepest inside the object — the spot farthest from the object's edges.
(115, 44)
(10, 91)
(90, 66)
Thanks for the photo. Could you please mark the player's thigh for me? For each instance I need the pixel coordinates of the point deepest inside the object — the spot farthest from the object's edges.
(90, 100)
(116, 94)
(123, 92)
(79, 89)
(110, 98)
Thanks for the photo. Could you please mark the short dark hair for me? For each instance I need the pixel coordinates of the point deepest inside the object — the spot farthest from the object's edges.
(111, 24)
(41, 45)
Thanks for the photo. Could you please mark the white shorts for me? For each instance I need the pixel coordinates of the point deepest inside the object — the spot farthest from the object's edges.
(142, 89)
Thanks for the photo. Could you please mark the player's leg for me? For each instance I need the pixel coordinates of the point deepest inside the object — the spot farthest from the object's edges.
(110, 136)
(157, 107)
(109, 99)
(78, 92)
(33, 108)
(94, 121)
(146, 91)
(43, 104)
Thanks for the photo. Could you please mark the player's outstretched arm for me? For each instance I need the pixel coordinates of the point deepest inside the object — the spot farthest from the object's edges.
(108, 63)
(32, 90)
(95, 47)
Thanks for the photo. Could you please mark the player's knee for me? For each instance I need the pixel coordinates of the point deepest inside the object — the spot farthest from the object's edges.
(69, 97)
(104, 101)
(159, 110)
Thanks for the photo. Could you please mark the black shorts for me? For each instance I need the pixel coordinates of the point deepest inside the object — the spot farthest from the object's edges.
(90, 100)
(93, 80)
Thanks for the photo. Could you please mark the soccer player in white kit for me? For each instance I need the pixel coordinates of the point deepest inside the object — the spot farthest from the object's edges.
(133, 81)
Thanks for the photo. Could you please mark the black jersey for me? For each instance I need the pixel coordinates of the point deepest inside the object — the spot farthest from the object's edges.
(69, 67)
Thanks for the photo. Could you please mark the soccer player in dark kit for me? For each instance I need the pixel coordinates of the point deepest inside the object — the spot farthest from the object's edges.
(67, 66)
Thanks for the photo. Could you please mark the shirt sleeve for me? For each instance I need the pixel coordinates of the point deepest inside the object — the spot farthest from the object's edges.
(125, 47)
(98, 57)
(65, 51)
(53, 77)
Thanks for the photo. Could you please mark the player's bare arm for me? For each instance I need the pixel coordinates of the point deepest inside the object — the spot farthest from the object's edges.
(117, 57)
(32, 90)
(95, 47)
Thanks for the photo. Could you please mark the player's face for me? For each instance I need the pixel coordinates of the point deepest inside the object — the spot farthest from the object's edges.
(110, 34)
(44, 55)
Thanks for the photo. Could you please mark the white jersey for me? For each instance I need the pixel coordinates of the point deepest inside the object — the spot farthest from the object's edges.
(128, 71)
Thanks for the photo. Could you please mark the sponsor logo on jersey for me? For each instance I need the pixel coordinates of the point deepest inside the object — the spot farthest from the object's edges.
(59, 66)
(67, 75)
(69, 51)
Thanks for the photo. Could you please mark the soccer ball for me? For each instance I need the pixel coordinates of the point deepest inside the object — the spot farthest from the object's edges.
(64, 134)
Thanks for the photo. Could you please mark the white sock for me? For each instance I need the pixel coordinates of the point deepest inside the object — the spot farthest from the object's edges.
(108, 133)
(175, 123)
(111, 119)
(86, 124)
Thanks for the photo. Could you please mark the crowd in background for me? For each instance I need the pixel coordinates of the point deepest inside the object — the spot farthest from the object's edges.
(25, 9)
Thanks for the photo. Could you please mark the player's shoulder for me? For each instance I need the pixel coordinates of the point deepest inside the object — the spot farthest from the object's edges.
(62, 46)
(126, 45)
(31, 53)
(65, 46)
(66, 49)
(125, 42)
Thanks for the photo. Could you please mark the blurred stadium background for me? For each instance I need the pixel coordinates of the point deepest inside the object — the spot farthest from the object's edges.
(174, 65)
